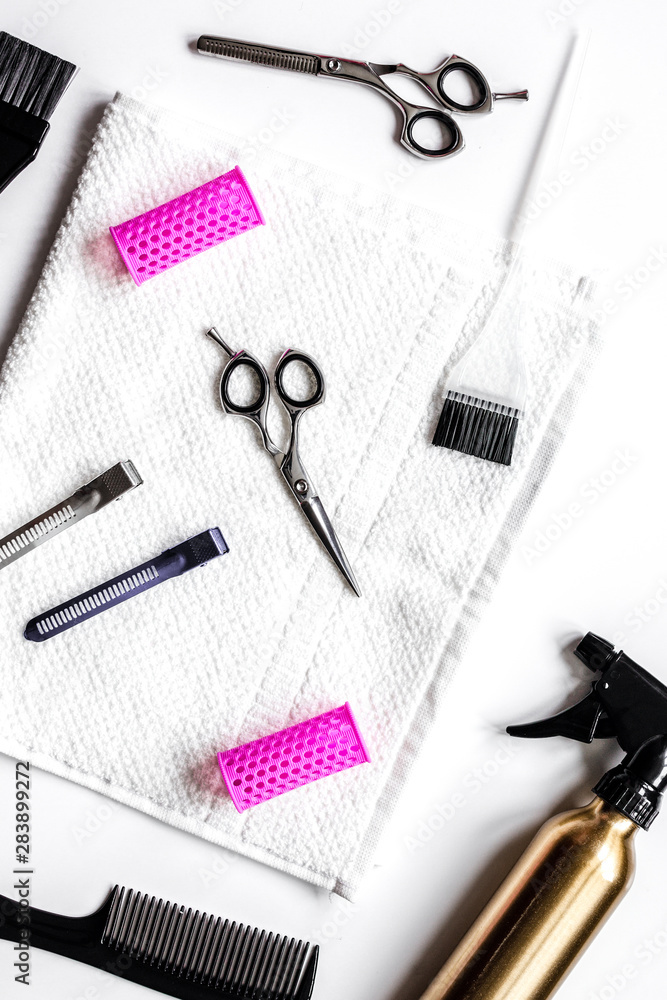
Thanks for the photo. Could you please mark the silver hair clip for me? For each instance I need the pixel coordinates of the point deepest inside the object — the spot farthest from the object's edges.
(111, 485)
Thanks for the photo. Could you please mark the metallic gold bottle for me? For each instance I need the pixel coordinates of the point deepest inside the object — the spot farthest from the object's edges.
(547, 910)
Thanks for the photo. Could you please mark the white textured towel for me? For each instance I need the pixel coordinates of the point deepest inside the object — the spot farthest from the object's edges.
(137, 702)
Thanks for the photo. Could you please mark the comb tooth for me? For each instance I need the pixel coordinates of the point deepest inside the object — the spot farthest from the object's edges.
(278, 968)
(265, 961)
(226, 950)
(190, 954)
(217, 952)
(306, 979)
(118, 917)
(155, 931)
(192, 964)
(208, 958)
(172, 940)
(171, 944)
(246, 966)
(233, 975)
(113, 909)
(166, 932)
(180, 940)
(256, 961)
(295, 956)
(122, 919)
(128, 923)
(264, 981)
(138, 929)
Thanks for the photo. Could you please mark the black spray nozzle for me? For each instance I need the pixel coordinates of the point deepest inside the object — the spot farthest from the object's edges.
(637, 785)
(625, 703)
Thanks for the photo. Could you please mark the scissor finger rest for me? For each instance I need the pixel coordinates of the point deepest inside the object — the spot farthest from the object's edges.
(484, 99)
(453, 144)
(317, 396)
(244, 360)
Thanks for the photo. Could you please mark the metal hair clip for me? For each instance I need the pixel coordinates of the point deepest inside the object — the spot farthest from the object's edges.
(111, 485)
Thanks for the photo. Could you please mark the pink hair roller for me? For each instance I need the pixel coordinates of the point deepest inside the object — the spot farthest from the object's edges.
(187, 225)
(272, 765)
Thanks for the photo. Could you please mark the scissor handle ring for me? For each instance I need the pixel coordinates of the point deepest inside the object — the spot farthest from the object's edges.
(286, 360)
(445, 119)
(474, 73)
(244, 360)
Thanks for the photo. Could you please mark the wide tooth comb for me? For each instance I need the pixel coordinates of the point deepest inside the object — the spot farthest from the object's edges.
(111, 485)
(166, 947)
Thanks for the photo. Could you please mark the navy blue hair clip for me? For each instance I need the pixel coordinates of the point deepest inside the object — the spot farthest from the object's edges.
(196, 551)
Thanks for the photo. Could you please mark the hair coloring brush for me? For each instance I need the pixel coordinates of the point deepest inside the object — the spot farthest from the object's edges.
(31, 85)
(194, 956)
(486, 391)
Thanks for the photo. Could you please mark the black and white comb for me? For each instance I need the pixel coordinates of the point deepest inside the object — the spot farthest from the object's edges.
(180, 559)
(166, 947)
(111, 485)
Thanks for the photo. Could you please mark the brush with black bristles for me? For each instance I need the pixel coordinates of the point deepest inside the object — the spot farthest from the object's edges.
(168, 948)
(31, 85)
(486, 391)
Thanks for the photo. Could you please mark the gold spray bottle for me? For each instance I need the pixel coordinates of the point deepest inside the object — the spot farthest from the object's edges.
(581, 863)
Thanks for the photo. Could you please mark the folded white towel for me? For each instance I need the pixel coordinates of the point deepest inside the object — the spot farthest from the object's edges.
(136, 702)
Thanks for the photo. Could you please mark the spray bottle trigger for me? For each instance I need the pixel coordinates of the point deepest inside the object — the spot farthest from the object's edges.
(583, 722)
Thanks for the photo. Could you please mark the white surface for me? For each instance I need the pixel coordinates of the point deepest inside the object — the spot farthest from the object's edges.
(605, 570)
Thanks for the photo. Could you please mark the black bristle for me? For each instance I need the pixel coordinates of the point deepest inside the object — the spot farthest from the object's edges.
(477, 427)
(30, 78)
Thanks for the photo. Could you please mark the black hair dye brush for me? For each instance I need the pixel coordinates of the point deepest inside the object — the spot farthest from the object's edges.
(168, 948)
(487, 389)
(31, 85)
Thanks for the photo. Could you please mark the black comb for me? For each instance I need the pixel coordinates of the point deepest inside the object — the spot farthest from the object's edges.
(166, 947)
(31, 85)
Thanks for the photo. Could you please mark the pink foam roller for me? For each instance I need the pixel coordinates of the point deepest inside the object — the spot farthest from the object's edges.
(186, 226)
(257, 771)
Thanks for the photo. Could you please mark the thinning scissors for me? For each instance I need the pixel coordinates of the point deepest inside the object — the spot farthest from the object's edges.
(371, 75)
(289, 462)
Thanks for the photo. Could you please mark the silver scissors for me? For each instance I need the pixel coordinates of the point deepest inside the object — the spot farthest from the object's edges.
(289, 462)
(370, 74)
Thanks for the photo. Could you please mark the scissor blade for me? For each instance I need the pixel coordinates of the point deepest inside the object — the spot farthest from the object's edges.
(262, 55)
(321, 524)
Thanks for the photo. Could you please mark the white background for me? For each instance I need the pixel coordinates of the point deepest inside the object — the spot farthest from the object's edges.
(602, 569)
